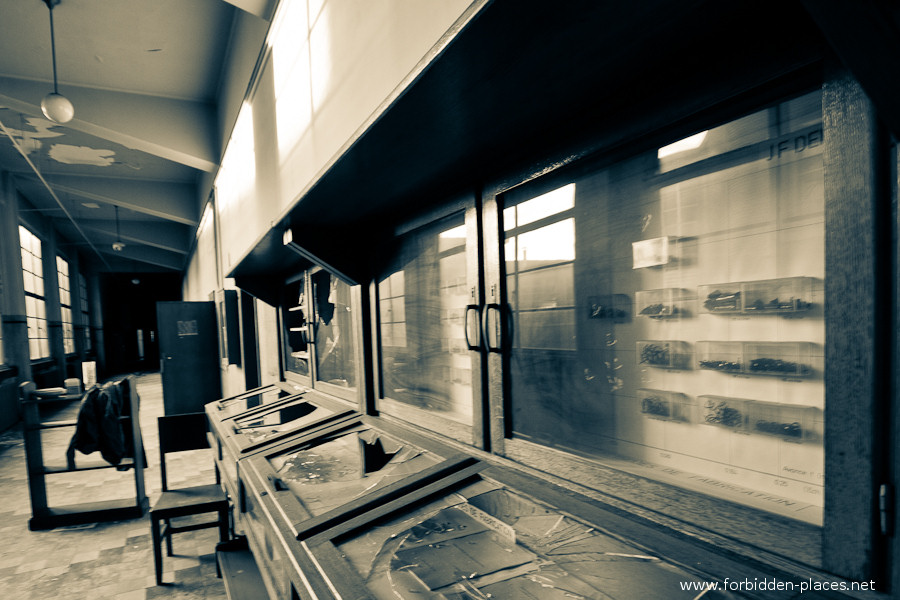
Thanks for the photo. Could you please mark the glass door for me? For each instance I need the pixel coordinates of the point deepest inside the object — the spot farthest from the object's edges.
(429, 326)
(663, 316)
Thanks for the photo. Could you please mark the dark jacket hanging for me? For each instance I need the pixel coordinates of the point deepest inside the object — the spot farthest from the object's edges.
(99, 426)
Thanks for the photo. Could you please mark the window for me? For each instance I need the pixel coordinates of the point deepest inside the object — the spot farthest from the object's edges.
(35, 307)
(65, 305)
(85, 311)
(335, 337)
(320, 344)
(295, 315)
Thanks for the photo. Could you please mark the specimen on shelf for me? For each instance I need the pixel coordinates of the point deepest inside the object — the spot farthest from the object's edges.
(720, 413)
(793, 429)
(654, 405)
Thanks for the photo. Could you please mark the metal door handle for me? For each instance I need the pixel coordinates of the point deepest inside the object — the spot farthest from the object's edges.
(486, 331)
(469, 309)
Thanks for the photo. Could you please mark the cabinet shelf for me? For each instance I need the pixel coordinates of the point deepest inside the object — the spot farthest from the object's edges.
(665, 405)
(788, 422)
(788, 295)
(779, 359)
(664, 354)
(611, 306)
(662, 303)
(721, 411)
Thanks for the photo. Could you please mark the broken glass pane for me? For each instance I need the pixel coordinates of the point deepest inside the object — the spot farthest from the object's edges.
(488, 542)
(336, 471)
(259, 427)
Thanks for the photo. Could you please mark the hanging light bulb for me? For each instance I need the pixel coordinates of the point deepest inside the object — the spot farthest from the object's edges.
(55, 106)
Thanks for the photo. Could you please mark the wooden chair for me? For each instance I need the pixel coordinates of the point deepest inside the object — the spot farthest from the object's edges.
(178, 433)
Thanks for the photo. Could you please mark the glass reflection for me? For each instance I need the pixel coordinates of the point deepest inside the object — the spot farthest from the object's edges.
(616, 352)
(425, 360)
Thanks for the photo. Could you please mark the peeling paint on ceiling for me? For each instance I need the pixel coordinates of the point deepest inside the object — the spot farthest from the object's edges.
(81, 155)
(29, 141)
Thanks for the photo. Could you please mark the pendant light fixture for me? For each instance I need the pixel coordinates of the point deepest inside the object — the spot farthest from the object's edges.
(118, 245)
(55, 106)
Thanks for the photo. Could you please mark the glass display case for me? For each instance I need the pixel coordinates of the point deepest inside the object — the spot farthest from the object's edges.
(784, 359)
(788, 422)
(267, 424)
(779, 359)
(727, 357)
(662, 303)
(666, 405)
(483, 538)
(721, 411)
(227, 407)
(315, 480)
(787, 295)
(243, 424)
(664, 354)
(611, 306)
(651, 253)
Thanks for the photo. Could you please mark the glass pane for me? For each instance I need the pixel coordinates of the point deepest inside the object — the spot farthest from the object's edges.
(425, 363)
(335, 342)
(294, 314)
(684, 340)
(346, 467)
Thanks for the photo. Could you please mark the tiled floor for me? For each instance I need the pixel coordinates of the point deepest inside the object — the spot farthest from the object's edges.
(102, 560)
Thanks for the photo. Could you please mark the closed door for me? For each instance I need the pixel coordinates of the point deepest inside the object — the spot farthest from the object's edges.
(189, 355)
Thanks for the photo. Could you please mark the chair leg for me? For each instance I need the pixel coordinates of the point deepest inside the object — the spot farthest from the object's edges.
(168, 536)
(157, 549)
(224, 527)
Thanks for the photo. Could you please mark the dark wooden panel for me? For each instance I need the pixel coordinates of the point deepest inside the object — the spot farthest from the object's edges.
(851, 304)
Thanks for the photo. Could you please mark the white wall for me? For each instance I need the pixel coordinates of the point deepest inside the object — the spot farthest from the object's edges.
(331, 68)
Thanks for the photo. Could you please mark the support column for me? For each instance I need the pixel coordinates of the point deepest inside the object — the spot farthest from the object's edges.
(12, 298)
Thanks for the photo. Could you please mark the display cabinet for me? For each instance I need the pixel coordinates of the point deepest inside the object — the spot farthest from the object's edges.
(655, 252)
(315, 480)
(666, 405)
(784, 359)
(487, 536)
(779, 359)
(664, 354)
(242, 425)
(787, 295)
(788, 422)
(611, 306)
(721, 411)
(227, 407)
(720, 356)
(662, 303)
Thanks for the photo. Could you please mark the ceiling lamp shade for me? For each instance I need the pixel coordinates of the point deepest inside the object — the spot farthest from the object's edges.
(55, 106)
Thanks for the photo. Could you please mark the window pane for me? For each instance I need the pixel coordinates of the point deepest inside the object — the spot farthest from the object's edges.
(335, 342)
(684, 340)
(425, 361)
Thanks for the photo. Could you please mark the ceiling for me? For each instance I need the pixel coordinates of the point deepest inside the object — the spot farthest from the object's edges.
(144, 78)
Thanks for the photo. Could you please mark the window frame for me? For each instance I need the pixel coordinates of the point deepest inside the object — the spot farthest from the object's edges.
(36, 298)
